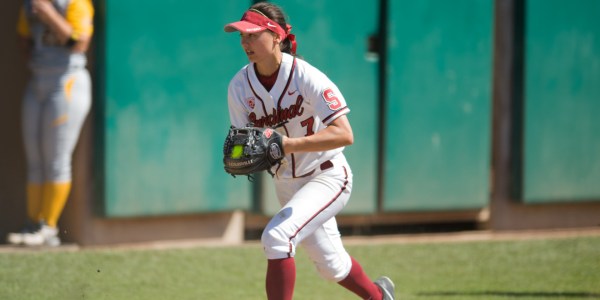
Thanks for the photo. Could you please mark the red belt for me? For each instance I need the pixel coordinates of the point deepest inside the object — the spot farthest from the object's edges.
(326, 165)
(323, 166)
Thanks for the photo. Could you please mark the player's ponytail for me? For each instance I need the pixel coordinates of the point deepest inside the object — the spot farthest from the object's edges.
(289, 44)
(275, 13)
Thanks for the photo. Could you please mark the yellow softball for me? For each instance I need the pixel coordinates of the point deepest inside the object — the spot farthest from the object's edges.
(237, 151)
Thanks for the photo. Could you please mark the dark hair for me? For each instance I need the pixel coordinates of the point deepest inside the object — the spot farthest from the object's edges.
(276, 14)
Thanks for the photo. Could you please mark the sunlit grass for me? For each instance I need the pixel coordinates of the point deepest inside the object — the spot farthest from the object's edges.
(567, 268)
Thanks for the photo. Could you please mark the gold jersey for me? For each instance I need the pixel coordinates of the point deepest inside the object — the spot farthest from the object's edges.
(47, 52)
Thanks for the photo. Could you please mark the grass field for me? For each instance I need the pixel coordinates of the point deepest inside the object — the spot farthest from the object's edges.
(565, 268)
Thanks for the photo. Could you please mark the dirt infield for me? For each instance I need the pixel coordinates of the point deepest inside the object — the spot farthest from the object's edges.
(452, 237)
(479, 235)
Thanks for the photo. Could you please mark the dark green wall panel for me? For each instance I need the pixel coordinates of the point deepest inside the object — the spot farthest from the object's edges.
(438, 110)
(164, 110)
(562, 101)
(340, 52)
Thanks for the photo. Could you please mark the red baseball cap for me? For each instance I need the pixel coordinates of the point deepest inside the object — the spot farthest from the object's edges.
(254, 21)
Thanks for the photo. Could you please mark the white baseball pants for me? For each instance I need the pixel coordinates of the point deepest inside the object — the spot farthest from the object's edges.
(307, 218)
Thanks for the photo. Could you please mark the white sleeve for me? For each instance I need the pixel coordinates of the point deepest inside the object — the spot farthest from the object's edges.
(328, 101)
(238, 113)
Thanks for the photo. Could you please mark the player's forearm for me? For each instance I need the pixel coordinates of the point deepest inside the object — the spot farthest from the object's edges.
(81, 44)
(338, 134)
(60, 27)
(314, 143)
(64, 33)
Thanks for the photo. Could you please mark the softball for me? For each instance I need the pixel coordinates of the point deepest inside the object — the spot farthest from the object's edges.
(237, 151)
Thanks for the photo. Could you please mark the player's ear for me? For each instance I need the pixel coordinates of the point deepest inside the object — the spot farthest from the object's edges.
(276, 38)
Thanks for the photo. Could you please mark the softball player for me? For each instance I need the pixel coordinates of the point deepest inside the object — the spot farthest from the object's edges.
(313, 182)
(55, 35)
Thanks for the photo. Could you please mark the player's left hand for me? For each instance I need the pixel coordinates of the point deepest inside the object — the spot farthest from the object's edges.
(249, 150)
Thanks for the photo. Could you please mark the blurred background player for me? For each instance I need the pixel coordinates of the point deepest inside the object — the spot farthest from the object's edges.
(314, 181)
(54, 36)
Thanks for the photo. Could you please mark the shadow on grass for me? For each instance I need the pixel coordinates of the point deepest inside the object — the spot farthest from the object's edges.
(509, 294)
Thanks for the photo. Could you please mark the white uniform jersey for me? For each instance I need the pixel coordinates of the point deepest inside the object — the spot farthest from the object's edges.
(302, 96)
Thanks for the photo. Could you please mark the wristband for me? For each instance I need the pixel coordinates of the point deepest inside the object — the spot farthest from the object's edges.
(71, 41)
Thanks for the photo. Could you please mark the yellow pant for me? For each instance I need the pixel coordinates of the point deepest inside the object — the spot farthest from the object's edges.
(45, 202)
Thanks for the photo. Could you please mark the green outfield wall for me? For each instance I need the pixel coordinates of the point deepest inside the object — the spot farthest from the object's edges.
(438, 116)
(163, 108)
(417, 76)
(561, 140)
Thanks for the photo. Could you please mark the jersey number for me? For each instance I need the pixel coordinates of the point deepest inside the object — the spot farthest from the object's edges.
(308, 123)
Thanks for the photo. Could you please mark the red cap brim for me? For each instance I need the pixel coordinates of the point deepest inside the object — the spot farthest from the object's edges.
(255, 21)
(243, 26)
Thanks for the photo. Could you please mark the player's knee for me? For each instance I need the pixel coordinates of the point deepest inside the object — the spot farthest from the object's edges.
(58, 171)
(277, 244)
(335, 269)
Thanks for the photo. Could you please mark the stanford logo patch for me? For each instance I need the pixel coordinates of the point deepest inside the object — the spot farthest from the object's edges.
(250, 102)
(331, 99)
